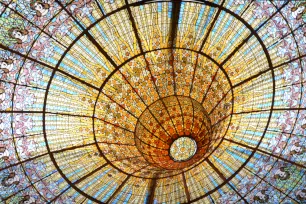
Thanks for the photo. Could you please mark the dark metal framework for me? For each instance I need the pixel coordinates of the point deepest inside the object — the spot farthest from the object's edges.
(174, 24)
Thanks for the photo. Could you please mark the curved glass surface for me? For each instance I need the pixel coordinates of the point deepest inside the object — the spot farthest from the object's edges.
(94, 92)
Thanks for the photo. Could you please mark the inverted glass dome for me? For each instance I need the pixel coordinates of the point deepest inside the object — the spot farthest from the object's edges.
(129, 101)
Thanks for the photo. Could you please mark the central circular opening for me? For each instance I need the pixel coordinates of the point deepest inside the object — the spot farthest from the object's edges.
(183, 149)
(176, 132)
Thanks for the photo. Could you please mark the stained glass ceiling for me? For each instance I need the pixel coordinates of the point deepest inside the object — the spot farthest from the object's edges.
(128, 101)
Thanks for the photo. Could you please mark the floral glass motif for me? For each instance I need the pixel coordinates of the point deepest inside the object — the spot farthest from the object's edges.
(94, 92)
(183, 149)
